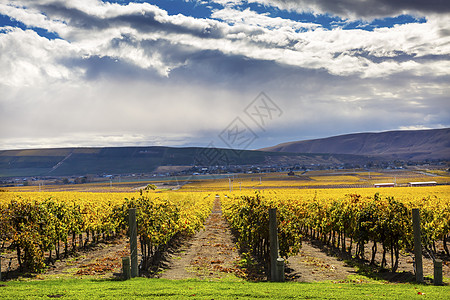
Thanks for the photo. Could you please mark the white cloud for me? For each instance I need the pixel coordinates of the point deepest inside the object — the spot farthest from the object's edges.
(256, 36)
(251, 18)
(32, 17)
(92, 140)
(28, 59)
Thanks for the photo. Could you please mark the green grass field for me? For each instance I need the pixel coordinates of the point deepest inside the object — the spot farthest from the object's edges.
(195, 289)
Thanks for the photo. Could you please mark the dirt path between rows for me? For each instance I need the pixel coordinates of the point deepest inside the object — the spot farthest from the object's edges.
(103, 260)
(210, 254)
(319, 262)
(312, 265)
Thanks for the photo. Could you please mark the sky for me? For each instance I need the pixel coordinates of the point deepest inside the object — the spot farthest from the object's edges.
(224, 73)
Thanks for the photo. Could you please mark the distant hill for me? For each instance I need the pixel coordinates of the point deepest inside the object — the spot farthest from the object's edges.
(345, 150)
(128, 160)
(407, 144)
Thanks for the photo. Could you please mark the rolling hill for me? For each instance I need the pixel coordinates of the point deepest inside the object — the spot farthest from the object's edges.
(344, 150)
(406, 145)
(126, 160)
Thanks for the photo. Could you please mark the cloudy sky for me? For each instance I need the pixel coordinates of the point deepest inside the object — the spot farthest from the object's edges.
(234, 73)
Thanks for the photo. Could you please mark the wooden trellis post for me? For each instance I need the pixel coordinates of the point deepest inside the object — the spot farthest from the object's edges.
(133, 242)
(437, 272)
(126, 270)
(417, 245)
(276, 263)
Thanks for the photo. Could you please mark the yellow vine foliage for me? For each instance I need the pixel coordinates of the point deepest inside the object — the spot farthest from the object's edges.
(362, 214)
(36, 222)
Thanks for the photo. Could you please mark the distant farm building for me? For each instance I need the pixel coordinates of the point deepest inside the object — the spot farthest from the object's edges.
(387, 184)
(424, 183)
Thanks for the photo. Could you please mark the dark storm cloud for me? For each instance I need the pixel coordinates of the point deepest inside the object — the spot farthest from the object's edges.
(368, 8)
(144, 21)
(218, 69)
(102, 67)
(72, 16)
(397, 56)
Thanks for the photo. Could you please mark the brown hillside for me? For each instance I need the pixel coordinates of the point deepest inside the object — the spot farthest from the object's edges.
(408, 144)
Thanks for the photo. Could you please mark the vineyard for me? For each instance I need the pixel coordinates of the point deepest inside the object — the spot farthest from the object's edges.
(313, 180)
(40, 224)
(337, 217)
(41, 227)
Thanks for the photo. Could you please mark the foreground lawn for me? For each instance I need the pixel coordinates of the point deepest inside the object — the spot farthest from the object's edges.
(194, 289)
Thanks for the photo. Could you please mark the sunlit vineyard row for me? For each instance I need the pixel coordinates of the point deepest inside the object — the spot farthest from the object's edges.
(98, 187)
(35, 224)
(337, 216)
(308, 180)
(404, 194)
(223, 182)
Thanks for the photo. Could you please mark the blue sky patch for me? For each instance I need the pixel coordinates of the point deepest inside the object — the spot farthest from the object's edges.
(198, 9)
(7, 21)
(202, 10)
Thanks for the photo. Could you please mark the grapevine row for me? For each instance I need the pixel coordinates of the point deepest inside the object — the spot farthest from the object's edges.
(161, 219)
(36, 224)
(248, 216)
(355, 219)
